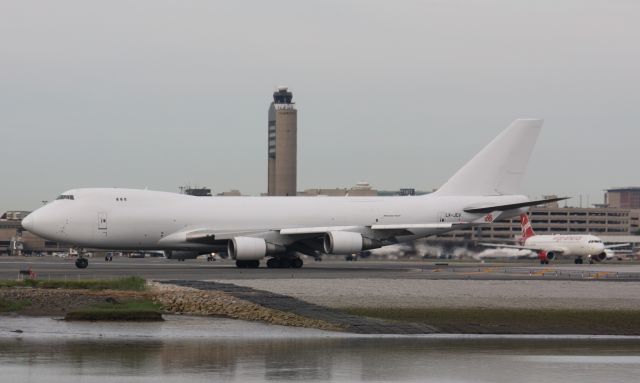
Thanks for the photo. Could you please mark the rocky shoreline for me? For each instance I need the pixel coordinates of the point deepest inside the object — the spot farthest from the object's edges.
(174, 299)
(185, 300)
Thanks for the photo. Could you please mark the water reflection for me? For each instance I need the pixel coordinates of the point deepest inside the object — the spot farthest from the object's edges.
(332, 359)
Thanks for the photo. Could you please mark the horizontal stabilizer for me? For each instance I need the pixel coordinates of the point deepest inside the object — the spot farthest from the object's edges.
(511, 206)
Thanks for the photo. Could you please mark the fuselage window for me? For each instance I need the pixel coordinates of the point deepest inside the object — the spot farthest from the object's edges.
(65, 196)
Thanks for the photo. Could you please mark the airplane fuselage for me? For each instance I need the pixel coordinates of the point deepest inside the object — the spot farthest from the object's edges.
(113, 218)
(570, 245)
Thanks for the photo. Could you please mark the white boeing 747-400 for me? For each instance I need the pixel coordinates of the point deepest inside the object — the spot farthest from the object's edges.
(548, 247)
(280, 228)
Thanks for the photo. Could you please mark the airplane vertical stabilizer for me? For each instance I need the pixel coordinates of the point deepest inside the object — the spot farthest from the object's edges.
(498, 168)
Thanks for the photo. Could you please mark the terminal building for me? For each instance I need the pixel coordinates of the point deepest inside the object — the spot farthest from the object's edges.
(612, 225)
(282, 144)
(16, 241)
(361, 189)
(623, 198)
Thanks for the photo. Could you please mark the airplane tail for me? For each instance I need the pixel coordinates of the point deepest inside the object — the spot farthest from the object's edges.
(527, 230)
(498, 168)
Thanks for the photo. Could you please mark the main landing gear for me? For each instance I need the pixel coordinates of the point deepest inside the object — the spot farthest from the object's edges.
(248, 264)
(284, 263)
(578, 261)
(273, 263)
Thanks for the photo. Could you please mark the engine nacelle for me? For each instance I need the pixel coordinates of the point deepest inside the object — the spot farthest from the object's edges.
(546, 256)
(181, 254)
(345, 243)
(252, 249)
(599, 257)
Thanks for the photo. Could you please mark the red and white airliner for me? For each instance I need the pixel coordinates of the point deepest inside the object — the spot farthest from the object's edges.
(549, 247)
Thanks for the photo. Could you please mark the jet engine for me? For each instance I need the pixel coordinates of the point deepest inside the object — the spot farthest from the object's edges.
(345, 243)
(181, 254)
(599, 257)
(546, 256)
(252, 249)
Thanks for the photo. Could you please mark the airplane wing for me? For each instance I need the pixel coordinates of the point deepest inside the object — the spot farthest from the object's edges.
(204, 236)
(305, 238)
(530, 248)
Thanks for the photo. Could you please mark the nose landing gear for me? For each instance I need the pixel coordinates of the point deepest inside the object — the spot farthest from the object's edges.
(82, 262)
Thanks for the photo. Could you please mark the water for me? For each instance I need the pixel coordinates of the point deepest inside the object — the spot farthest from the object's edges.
(202, 349)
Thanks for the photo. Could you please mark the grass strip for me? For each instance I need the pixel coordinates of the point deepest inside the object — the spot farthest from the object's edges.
(124, 284)
(514, 320)
(133, 310)
(11, 305)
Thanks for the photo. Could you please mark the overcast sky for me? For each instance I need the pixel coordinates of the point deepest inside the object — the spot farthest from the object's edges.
(159, 94)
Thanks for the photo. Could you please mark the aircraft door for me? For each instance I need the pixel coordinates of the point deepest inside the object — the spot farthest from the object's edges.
(102, 223)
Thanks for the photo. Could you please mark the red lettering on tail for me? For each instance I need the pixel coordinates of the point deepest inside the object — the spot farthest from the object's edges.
(527, 230)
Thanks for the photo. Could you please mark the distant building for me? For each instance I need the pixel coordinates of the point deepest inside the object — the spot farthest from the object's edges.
(230, 193)
(14, 215)
(198, 192)
(14, 240)
(282, 144)
(407, 191)
(623, 198)
(557, 220)
(361, 189)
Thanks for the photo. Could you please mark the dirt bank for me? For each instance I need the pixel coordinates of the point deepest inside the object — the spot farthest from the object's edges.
(174, 299)
(185, 300)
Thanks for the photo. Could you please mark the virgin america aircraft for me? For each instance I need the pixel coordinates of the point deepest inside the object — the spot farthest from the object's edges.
(549, 247)
(281, 228)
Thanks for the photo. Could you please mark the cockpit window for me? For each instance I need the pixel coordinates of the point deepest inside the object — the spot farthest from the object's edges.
(65, 196)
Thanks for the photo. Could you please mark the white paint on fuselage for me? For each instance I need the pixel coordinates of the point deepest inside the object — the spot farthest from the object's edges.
(571, 245)
(139, 219)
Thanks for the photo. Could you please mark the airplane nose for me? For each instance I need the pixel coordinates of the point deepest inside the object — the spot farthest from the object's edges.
(29, 222)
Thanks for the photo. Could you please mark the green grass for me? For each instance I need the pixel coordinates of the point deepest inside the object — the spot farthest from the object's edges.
(133, 310)
(514, 321)
(125, 283)
(11, 306)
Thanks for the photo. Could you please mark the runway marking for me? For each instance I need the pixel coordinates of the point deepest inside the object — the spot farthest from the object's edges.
(600, 274)
(543, 271)
(480, 271)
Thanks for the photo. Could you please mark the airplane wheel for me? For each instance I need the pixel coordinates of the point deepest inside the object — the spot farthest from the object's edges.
(285, 263)
(82, 263)
(254, 264)
(240, 264)
(273, 263)
(296, 263)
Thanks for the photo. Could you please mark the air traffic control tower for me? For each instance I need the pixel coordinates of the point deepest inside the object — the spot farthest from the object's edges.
(283, 143)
